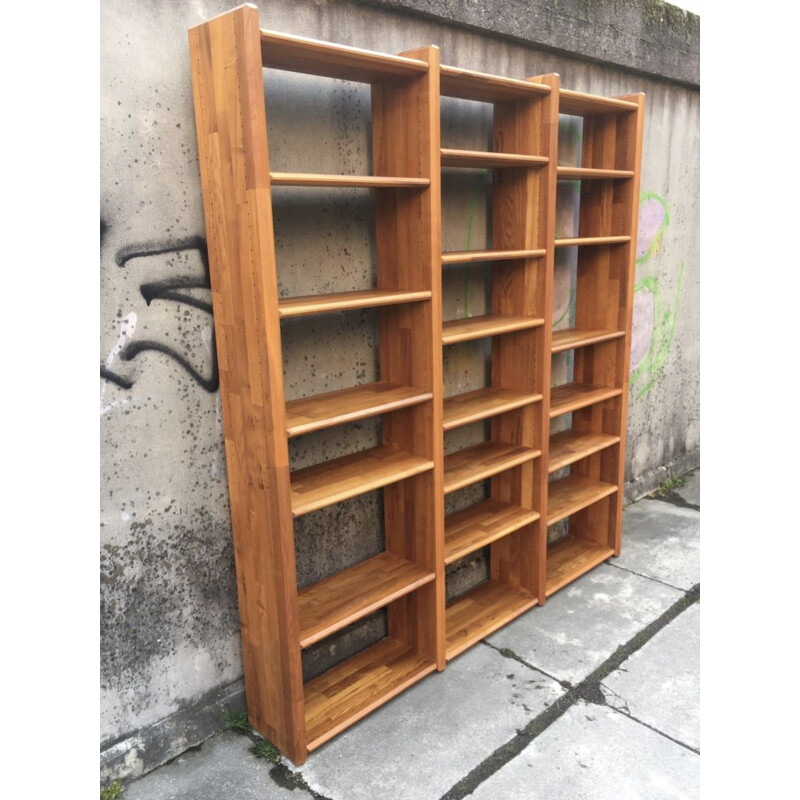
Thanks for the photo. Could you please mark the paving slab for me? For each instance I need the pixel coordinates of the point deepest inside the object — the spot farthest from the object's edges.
(660, 684)
(222, 767)
(583, 624)
(661, 541)
(690, 491)
(595, 753)
(424, 741)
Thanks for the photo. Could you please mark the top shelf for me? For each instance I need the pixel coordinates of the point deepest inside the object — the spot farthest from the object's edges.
(342, 181)
(299, 54)
(580, 104)
(469, 85)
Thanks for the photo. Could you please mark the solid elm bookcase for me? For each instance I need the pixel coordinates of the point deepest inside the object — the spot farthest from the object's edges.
(228, 55)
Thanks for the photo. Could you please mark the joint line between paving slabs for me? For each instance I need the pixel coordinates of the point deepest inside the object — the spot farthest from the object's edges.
(630, 716)
(633, 572)
(588, 690)
(507, 652)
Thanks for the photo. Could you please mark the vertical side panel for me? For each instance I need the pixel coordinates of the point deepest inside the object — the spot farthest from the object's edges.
(232, 144)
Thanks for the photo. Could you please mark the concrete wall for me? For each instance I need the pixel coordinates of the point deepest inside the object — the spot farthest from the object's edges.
(170, 655)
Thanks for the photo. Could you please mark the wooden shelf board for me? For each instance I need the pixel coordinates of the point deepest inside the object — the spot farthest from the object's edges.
(333, 603)
(572, 396)
(582, 241)
(463, 330)
(573, 493)
(570, 558)
(470, 85)
(350, 690)
(482, 611)
(591, 174)
(580, 104)
(474, 256)
(482, 461)
(347, 405)
(570, 446)
(354, 181)
(570, 338)
(481, 159)
(299, 54)
(345, 301)
(332, 481)
(484, 523)
(462, 409)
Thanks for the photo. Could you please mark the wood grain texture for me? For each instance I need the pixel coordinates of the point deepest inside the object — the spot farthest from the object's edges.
(335, 602)
(470, 85)
(481, 159)
(570, 558)
(581, 104)
(572, 445)
(571, 494)
(473, 256)
(463, 330)
(482, 461)
(347, 405)
(462, 409)
(586, 241)
(573, 396)
(589, 174)
(349, 691)
(346, 301)
(354, 181)
(570, 338)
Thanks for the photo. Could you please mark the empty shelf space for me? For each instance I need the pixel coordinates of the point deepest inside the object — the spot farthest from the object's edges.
(463, 330)
(470, 85)
(572, 494)
(580, 104)
(570, 558)
(482, 611)
(482, 461)
(570, 338)
(349, 691)
(462, 409)
(299, 54)
(582, 241)
(354, 181)
(572, 396)
(343, 598)
(347, 405)
(473, 256)
(570, 446)
(332, 481)
(591, 174)
(345, 301)
(481, 159)
(482, 524)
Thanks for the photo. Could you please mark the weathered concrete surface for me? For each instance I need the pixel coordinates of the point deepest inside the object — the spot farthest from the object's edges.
(690, 490)
(661, 541)
(426, 739)
(660, 684)
(170, 629)
(223, 767)
(583, 624)
(646, 35)
(594, 752)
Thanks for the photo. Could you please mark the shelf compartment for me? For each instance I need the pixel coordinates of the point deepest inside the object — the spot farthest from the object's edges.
(345, 301)
(570, 338)
(353, 181)
(573, 493)
(462, 409)
(332, 481)
(484, 523)
(481, 159)
(349, 691)
(347, 405)
(299, 54)
(475, 256)
(570, 446)
(572, 396)
(591, 174)
(482, 611)
(464, 330)
(580, 104)
(582, 241)
(335, 602)
(570, 558)
(482, 461)
(470, 85)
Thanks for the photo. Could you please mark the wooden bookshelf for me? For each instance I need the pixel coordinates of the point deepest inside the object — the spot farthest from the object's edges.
(408, 466)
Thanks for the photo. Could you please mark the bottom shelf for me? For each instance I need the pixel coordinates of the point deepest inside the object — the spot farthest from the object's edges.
(482, 611)
(349, 691)
(570, 558)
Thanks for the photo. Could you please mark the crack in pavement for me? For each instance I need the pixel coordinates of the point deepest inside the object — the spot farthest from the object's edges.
(588, 690)
(507, 652)
(648, 577)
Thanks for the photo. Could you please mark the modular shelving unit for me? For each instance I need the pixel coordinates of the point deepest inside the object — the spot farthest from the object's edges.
(228, 55)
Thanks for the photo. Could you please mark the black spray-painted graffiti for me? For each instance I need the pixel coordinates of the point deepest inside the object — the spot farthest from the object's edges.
(173, 289)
